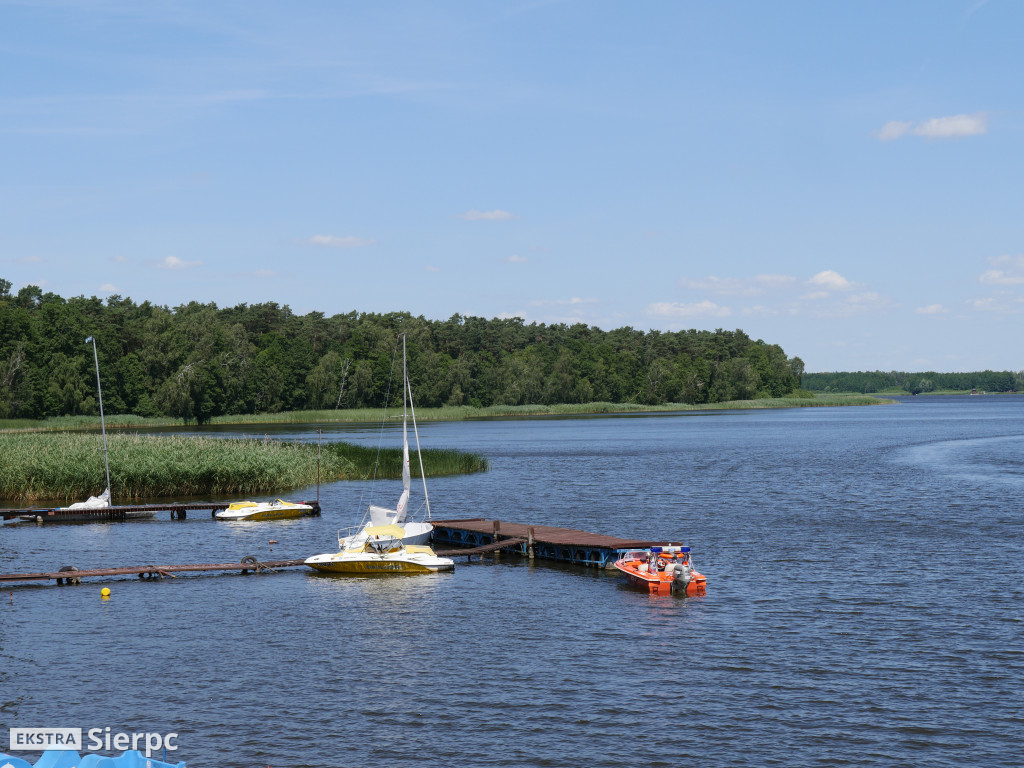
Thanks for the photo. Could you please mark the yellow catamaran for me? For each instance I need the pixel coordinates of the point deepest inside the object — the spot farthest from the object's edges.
(390, 542)
(380, 551)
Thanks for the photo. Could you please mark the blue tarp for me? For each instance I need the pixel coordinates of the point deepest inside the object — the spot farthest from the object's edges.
(54, 758)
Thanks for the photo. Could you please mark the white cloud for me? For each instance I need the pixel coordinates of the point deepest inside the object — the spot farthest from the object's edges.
(108, 288)
(932, 309)
(893, 130)
(1011, 271)
(495, 215)
(332, 241)
(515, 258)
(173, 262)
(30, 260)
(264, 273)
(953, 127)
(831, 280)
(676, 310)
(736, 286)
(433, 269)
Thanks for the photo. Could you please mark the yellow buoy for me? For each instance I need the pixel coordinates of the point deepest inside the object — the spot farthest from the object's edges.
(105, 592)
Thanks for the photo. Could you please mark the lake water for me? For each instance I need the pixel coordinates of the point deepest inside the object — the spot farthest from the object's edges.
(864, 607)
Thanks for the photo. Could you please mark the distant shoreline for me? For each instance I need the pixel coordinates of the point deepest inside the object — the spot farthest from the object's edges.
(448, 413)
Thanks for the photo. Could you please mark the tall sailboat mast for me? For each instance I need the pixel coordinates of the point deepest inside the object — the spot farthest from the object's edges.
(416, 432)
(103, 426)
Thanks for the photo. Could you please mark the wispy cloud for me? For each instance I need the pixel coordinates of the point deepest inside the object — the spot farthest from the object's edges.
(575, 300)
(30, 260)
(515, 258)
(433, 269)
(333, 241)
(953, 127)
(736, 286)
(108, 288)
(173, 262)
(495, 215)
(932, 309)
(262, 273)
(1004, 302)
(1010, 271)
(671, 310)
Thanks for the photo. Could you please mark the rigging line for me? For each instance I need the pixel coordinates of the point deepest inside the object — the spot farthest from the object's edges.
(419, 454)
(380, 437)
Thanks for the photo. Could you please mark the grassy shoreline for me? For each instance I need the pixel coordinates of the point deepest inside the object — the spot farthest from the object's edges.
(448, 413)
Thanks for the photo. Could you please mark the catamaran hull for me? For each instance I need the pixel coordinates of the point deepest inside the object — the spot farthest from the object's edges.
(279, 510)
(377, 567)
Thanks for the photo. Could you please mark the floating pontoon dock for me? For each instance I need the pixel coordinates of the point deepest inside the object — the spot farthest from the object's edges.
(545, 542)
(178, 510)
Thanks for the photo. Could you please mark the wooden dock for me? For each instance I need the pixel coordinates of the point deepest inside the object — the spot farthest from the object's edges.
(178, 511)
(566, 545)
(69, 574)
(451, 538)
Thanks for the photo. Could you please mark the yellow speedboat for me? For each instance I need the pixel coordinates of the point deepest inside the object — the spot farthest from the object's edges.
(382, 551)
(278, 509)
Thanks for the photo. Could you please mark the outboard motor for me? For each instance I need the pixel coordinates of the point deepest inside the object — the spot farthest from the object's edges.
(683, 574)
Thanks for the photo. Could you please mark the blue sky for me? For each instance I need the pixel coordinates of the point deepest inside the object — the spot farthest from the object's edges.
(841, 179)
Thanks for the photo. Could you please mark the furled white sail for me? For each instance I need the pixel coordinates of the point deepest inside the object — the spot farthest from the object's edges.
(415, 532)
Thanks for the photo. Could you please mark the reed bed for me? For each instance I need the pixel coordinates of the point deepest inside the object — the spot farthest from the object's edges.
(69, 466)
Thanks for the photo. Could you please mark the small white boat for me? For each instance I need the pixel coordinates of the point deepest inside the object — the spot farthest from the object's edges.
(381, 551)
(278, 509)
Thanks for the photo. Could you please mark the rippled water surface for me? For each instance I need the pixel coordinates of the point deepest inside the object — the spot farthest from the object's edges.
(864, 607)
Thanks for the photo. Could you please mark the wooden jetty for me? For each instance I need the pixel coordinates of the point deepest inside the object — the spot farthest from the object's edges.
(463, 538)
(178, 510)
(566, 545)
(69, 574)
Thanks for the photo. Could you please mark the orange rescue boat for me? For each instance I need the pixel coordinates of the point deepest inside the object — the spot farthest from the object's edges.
(662, 570)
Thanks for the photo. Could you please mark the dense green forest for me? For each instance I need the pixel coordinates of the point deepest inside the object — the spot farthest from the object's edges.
(914, 383)
(197, 361)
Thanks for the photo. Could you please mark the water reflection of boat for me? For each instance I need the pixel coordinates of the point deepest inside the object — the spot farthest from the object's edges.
(380, 549)
(278, 509)
(662, 570)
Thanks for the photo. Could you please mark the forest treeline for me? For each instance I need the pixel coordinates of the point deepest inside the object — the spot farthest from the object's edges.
(197, 361)
(914, 383)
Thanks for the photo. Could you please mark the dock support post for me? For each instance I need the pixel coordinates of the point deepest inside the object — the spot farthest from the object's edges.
(497, 533)
(529, 543)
